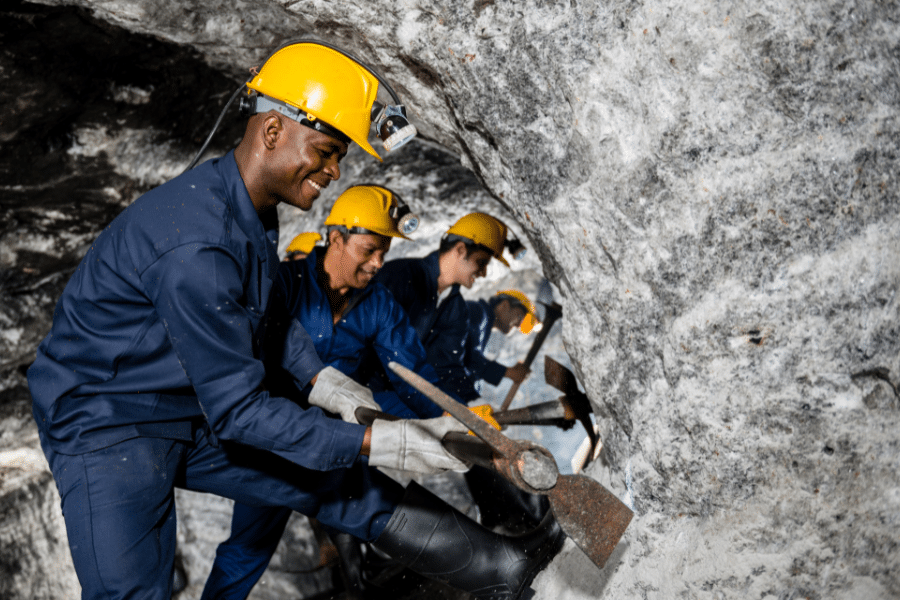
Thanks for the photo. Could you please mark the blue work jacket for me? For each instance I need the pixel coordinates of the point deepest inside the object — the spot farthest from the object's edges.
(160, 328)
(442, 329)
(481, 322)
(373, 324)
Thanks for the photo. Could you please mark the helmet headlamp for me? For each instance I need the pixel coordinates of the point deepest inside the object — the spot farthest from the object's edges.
(392, 125)
(516, 248)
(407, 221)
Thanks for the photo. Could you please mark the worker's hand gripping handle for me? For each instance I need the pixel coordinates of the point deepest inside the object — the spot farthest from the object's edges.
(461, 445)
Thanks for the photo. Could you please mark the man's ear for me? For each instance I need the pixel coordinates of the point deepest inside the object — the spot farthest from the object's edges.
(334, 236)
(272, 130)
(460, 249)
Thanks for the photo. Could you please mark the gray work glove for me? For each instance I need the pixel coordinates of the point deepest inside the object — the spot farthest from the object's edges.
(414, 445)
(337, 393)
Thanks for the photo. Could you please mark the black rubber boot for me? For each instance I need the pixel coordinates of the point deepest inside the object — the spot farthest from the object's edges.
(503, 504)
(350, 565)
(434, 539)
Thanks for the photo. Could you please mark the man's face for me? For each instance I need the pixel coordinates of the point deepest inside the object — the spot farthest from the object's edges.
(507, 316)
(305, 161)
(468, 269)
(358, 259)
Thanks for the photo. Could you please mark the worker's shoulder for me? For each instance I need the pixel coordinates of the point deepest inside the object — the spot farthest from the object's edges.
(197, 207)
(402, 268)
(379, 296)
(404, 263)
(195, 202)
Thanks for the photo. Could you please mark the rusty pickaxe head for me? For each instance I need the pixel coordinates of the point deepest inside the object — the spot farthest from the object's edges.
(587, 512)
(564, 380)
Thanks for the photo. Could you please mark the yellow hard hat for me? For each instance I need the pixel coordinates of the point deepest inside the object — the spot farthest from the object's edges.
(304, 242)
(367, 207)
(484, 230)
(325, 84)
(530, 319)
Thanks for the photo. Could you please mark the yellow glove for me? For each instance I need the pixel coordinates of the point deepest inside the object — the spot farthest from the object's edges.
(486, 412)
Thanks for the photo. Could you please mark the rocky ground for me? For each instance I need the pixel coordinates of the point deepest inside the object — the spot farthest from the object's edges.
(710, 186)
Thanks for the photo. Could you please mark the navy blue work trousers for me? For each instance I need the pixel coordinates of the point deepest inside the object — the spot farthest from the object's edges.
(119, 504)
(256, 530)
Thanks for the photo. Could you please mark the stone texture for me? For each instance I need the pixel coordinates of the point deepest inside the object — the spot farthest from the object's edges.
(712, 187)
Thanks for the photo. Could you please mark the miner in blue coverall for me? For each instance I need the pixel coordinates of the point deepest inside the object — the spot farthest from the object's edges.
(329, 293)
(507, 309)
(428, 290)
(151, 378)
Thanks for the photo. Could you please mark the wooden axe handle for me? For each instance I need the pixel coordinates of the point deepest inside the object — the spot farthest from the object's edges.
(554, 312)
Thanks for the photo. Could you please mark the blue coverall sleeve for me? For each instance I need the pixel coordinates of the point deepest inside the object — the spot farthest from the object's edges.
(198, 292)
(480, 366)
(396, 341)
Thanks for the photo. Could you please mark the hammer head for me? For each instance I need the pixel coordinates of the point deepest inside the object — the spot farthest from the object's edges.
(564, 380)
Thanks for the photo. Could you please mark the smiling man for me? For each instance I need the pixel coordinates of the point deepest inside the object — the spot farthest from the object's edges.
(329, 294)
(152, 372)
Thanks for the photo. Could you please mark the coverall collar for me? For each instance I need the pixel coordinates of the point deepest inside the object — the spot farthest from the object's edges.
(257, 226)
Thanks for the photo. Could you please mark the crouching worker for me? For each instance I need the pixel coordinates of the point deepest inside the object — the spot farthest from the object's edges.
(150, 376)
(501, 504)
(507, 310)
(428, 290)
(330, 296)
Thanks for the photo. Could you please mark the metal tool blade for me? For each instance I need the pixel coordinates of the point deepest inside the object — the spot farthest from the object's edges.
(564, 380)
(589, 514)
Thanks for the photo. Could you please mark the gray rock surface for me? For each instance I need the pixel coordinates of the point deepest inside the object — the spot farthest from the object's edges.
(713, 189)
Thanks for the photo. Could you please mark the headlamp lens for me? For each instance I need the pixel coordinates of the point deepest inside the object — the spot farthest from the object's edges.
(408, 223)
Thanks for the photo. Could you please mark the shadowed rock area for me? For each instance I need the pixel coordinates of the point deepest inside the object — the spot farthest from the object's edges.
(711, 186)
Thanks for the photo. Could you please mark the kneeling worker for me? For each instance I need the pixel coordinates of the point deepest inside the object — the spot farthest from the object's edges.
(330, 295)
(500, 503)
(428, 289)
(151, 371)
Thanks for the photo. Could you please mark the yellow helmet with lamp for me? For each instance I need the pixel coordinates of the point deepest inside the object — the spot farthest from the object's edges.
(487, 231)
(372, 209)
(313, 83)
(326, 88)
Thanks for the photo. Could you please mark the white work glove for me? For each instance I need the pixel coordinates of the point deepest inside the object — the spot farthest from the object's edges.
(337, 393)
(414, 445)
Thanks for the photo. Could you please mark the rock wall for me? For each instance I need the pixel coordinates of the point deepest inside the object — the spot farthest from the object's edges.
(713, 188)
